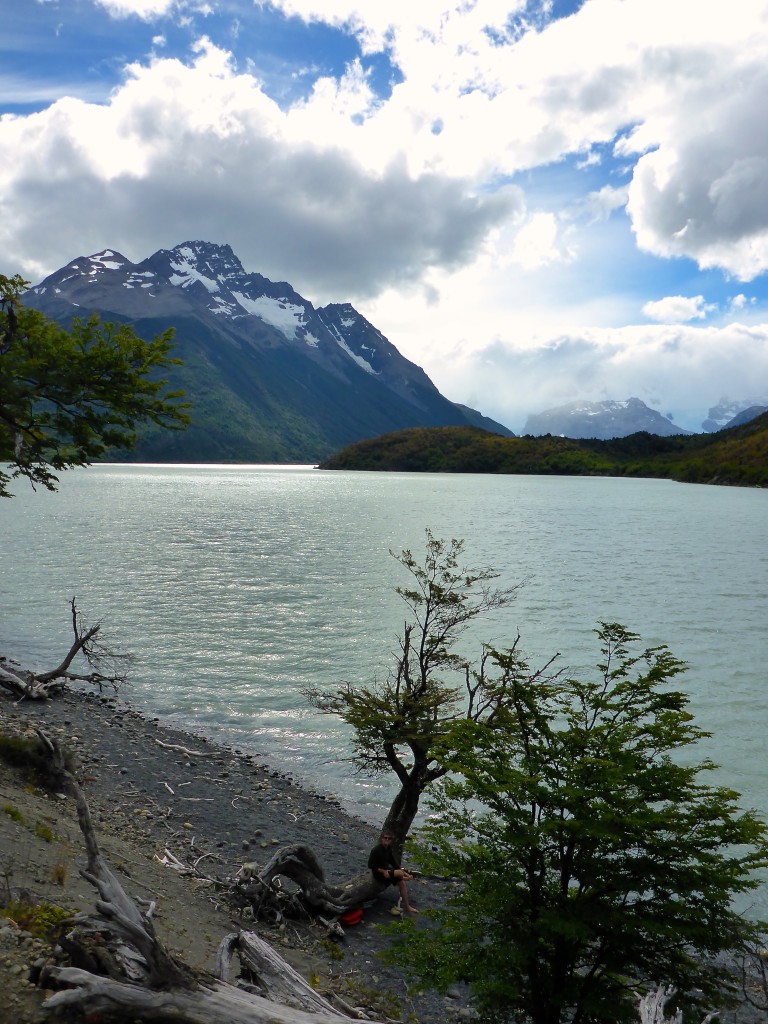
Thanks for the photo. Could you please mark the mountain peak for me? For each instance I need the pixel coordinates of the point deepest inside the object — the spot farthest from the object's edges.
(304, 380)
(603, 420)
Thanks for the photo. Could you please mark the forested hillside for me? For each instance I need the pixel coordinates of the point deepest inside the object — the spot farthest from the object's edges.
(736, 456)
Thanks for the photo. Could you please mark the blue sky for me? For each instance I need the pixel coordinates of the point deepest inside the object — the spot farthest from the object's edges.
(539, 201)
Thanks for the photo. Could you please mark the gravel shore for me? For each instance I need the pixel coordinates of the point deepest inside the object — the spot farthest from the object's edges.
(150, 797)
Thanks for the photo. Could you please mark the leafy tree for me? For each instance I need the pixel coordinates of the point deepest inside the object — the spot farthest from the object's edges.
(399, 722)
(595, 858)
(66, 396)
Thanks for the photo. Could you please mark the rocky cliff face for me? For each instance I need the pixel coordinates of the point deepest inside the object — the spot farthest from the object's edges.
(602, 420)
(270, 377)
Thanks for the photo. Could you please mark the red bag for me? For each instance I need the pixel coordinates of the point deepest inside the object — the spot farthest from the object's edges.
(351, 916)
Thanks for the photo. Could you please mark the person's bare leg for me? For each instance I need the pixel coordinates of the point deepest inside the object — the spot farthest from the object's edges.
(404, 896)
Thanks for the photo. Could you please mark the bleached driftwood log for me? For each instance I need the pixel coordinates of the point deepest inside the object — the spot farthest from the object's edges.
(216, 1003)
(653, 1004)
(122, 971)
(301, 866)
(276, 977)
(107, 665)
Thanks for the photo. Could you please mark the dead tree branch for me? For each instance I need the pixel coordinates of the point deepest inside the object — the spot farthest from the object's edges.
(108, 666)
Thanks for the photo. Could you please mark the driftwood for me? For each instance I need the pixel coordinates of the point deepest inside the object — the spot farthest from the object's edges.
(217, 1003)
(259, 886)
(277, 979)
(653, 1005)
(107, 665)
(122, 971)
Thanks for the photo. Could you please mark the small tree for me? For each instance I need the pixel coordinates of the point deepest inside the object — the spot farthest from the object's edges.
(398, 723)
(596, 861)
(66, 396)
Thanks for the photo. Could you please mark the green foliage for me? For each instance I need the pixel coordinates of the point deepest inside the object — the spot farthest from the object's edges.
(398, 722)
(594, 856)
(44, 832)
(735, 456)
(66, 396)
(13, 813)
(44, 920)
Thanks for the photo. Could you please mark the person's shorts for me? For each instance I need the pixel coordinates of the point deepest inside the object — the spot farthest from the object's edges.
(389, 880)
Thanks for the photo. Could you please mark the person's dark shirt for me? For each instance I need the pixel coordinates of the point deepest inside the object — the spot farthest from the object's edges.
(382, 857)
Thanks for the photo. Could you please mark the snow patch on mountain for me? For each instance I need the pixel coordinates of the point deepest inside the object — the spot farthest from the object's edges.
(720, 415)
(285, 316)
(187, 274)
(353, 355)
(105, 261)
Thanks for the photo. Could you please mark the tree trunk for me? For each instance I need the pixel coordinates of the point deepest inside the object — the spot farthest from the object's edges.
(214, 1003)
(405, 806)
(402, 812)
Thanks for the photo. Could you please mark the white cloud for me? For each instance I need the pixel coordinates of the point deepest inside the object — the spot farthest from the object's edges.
(601, 204)
(677, 309)
(146, 9)
(537, 242)
(200, 151)
(680, 86)
(682, 368)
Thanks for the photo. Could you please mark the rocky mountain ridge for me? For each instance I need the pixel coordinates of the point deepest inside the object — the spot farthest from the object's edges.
(271, 378)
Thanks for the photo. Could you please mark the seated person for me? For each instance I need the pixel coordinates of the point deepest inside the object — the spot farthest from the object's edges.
(385, 868)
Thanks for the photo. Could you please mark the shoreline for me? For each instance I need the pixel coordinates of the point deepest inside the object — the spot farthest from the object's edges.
(154, 789)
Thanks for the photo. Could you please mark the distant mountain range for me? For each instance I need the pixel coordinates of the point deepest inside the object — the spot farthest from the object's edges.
(729, 413)
(602, 420)
(270, 377)
(609, 419)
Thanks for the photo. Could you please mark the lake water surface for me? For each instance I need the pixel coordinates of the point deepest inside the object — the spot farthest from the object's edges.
(239, 586)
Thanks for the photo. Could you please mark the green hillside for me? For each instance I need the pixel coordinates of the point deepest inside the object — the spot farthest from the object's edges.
(738, 456)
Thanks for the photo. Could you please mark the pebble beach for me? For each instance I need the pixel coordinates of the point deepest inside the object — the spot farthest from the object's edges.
(158, 794)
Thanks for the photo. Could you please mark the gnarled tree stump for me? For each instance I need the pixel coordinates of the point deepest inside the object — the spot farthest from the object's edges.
(299, 864)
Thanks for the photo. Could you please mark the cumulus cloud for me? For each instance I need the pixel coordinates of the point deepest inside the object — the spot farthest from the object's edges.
(678, 88)
(682, 368)
(679, 98)
(600, 205)
(704, 192)
(536, 243)
(202, 152)
(677, 309)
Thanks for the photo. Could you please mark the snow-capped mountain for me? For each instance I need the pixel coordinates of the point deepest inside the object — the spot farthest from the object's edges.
(731, 413)
(602, 420)
(271, 377)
